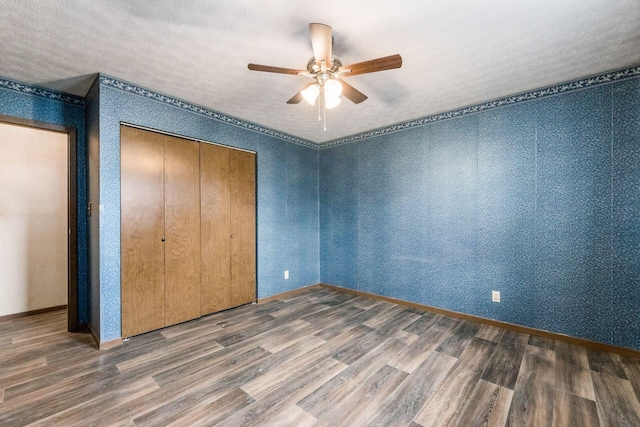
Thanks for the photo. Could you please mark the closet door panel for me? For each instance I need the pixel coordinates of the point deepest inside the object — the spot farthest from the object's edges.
(142, 229)
(182, 230)
(243, 227)
(215, 228)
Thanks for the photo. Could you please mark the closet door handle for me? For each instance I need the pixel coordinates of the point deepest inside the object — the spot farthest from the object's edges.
(163, 239)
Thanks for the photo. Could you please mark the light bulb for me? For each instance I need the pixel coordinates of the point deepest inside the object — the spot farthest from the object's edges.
(332, 88)
(331, 102)
(311, 93)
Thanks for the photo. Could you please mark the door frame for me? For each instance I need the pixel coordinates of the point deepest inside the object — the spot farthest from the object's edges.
(72, 210)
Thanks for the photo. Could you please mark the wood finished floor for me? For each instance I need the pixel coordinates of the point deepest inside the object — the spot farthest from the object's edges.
(321, 358)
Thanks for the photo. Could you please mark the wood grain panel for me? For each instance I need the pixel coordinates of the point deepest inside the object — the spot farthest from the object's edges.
(606, 363)
(243, 227)
(533, 397)
(488, 406)
(505, 362)
(141, 231)
(632, 368)
(402, 405)
(445, 406)
(571, 410)
(617, 405)
(182, 230)
(572, 370)
(427, 340)
(215, 228)
(462, 335)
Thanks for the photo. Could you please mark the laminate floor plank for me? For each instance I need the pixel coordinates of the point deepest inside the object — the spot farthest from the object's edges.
(19, 368)
(278, 343)
(616, 401)
(447, 403)
(542, 342)
(319, 357)
(384, 316)
(215, 383)
(77, 414)
(209, 412)
(403, 404)
(490, 333)
(51, 376)
(356, 349)
(632, 369)
(312, 353)
(458, 340)
(419, 350)
(606, 363)
(187, 349)
(572, 410)
(365, 303)
(306, 306)
(488, 406)
(505, 362)
(422, 323)
(329, 394)
(533, 397)
(355, 408)
(573, 374)
(22, 410)
(75, 364)
(289, 391)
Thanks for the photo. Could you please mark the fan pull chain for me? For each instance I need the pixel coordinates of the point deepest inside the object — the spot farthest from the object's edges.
(324, 116)
(324, 111)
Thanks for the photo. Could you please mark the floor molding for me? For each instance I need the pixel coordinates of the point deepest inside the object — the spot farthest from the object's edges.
(31, 313)
(623, 351)
(287, 293)
(104, 345)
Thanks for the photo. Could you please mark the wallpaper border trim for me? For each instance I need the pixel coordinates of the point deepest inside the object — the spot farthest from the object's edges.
(574, 85)
(165, 99)
(583, 83)
(30, 89)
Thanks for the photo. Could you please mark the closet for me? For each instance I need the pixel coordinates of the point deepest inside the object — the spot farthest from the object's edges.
(187, 229)
(228, 227)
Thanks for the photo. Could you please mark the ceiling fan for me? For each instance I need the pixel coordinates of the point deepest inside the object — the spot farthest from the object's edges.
(328, 72)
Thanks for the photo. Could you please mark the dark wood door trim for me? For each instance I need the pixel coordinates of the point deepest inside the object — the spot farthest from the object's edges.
(73, 323)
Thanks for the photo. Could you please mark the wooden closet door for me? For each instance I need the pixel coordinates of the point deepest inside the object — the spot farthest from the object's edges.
(243, 227)
(182, 230)
(215, 228)
(142, 230)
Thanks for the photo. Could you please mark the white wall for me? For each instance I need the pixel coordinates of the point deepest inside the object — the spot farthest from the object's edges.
(33, 219)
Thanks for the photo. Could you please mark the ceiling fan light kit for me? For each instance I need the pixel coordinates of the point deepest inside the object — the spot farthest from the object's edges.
(328, 72)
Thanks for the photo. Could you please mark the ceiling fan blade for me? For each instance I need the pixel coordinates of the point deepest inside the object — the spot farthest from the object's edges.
(352, 94)
(380, 64)
(295, 99)
(280, 70)
(321, 41)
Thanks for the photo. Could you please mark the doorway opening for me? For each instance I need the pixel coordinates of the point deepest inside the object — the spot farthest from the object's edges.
(38, 219)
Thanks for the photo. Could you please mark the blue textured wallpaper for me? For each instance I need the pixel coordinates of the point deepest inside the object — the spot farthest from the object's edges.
(33, 103)
(539, 200)
(287, 200)
(536, 195)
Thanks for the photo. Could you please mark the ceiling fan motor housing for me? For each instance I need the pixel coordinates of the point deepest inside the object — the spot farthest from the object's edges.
(315, 68)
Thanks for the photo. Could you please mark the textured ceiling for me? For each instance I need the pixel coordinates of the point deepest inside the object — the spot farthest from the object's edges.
(455, 53)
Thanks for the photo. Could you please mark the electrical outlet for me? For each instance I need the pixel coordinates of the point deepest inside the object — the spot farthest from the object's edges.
(286, 274)
(495, 296)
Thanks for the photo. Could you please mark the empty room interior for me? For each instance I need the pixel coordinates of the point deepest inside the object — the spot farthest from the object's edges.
(362, 213)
